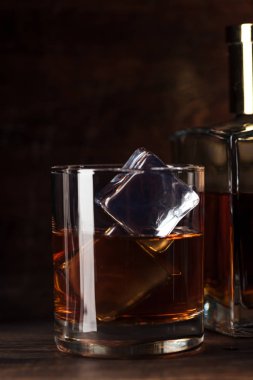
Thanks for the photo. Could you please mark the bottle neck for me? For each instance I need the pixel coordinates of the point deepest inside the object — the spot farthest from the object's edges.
(241, 70)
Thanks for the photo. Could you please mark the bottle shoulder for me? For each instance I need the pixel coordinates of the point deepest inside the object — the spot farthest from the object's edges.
(240, 126)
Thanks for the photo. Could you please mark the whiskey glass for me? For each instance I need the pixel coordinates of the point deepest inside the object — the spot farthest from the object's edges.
(120, 294)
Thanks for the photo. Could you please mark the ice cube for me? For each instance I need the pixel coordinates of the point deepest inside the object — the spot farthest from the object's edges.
(143, 159)
(148, 201)
(145, 205)
(150, 245)
(155, 245)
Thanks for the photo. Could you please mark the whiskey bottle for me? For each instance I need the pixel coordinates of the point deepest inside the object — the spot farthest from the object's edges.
(226, 151)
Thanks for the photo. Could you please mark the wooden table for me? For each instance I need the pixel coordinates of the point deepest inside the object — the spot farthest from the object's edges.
(27, 351)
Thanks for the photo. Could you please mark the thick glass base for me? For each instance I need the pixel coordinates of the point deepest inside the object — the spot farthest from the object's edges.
(124, 341)
(115, 350)
(236, 321)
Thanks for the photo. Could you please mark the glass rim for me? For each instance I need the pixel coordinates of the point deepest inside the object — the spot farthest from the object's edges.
(117, 168)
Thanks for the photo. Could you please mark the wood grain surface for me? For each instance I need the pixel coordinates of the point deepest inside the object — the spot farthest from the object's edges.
(28, 352)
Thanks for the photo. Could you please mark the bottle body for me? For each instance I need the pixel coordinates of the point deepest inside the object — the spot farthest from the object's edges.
(226, 152)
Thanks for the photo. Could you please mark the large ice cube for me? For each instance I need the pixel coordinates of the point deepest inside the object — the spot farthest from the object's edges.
(145, 205)
(148, 201)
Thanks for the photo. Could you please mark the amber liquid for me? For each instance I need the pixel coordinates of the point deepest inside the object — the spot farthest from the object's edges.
(229, 246)
(244, 226)
(156, 280)
(219, 243)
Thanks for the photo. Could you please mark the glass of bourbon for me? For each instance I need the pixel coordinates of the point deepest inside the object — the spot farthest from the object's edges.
(122, 288)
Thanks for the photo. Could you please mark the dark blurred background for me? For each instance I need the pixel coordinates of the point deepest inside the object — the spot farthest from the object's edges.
(88, 82)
